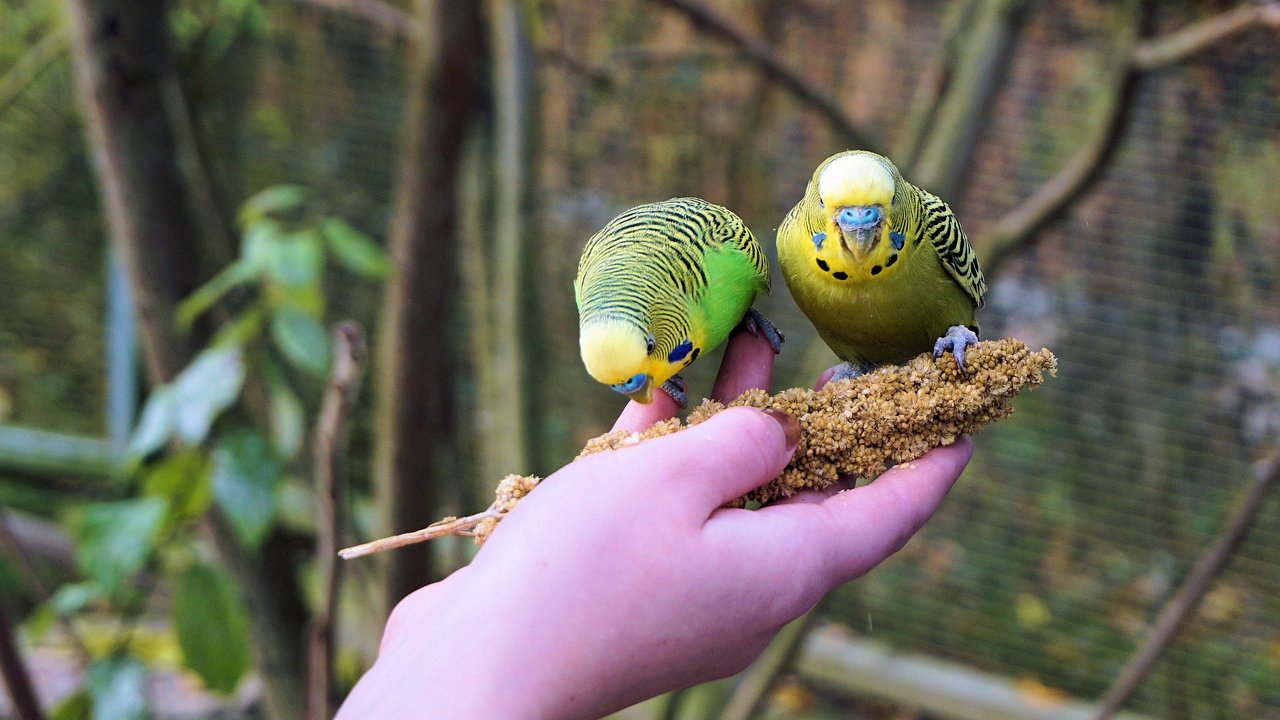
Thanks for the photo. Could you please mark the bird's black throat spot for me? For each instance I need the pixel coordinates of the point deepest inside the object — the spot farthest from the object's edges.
(875, 270)
(892, 259)
(823, 265)
(840, 275)
(694, 355)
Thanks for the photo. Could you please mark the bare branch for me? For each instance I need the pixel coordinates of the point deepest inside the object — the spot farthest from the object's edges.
(443, 528)
(772, 64)
(20, 536)
(1021, 225)
(1181, 44)
(17, 679)
(382, 15)
(329, 459)
(1180, 606)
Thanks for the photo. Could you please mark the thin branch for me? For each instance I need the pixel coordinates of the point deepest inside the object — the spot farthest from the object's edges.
(26, 706)
(330, 450)
(382, 15)
(1180, 606)
(1021, 225)
(443, 528)
(1181, 44)
(35, 61)
(772, 64)
(57, 546)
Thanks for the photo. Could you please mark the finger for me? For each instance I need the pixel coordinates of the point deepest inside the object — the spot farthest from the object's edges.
(708, 464)
(861, 527)
(824, 378)
(639, 416)
(818, 496)
(747, 363)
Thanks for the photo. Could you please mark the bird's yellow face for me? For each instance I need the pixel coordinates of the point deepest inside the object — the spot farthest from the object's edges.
(620, 355)
(855, 197)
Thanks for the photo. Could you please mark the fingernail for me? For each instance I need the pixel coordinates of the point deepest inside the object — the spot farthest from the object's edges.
(790, 426)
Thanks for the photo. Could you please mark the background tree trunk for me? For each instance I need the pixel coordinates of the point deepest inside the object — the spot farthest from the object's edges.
(414, 383)
(131, 101)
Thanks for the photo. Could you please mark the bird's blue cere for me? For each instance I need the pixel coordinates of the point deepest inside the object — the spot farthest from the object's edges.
(631, 384)
(859, 217)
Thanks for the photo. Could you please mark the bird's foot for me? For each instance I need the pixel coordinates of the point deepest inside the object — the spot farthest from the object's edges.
(848, 371)
(676, 388)
(958, 338)
(757, 324)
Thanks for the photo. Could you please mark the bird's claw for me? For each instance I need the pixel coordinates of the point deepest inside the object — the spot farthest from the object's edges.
(757, 324)
(676, 388)
(848, 371)
(958, 338)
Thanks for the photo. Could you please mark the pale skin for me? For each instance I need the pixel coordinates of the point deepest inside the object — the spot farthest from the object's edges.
(620, 577)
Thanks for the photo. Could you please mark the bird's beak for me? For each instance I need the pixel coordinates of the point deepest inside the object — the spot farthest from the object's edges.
(644, 393)
(859, 227)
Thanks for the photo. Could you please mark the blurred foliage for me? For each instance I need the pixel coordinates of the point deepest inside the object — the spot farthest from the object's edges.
(1158, 292)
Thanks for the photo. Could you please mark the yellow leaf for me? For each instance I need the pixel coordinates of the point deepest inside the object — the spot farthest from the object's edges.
(1031, 611)
(1038, 694)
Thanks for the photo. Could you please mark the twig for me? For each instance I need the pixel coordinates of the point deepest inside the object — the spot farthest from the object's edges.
(1181, 44)
(36, 60)
(16, 676)
(1180, 606)
(330, 455)
(772, 64)
(443, 528)
(10, 540)
(382, 15)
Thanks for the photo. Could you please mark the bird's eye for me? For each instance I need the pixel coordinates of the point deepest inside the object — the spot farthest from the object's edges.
(821, 204)
(649, 344)
(631, 384)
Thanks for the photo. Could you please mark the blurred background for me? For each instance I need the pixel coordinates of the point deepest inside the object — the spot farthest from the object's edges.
(194, 192)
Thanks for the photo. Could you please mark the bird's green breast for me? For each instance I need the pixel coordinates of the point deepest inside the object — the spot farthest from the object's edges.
(732, 283)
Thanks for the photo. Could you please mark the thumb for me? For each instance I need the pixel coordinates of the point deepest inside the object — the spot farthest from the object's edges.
(711, 463)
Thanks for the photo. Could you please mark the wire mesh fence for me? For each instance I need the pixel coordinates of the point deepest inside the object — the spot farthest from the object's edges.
(1157, 289)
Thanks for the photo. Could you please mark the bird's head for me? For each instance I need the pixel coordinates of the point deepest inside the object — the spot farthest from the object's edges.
(856, 193)
(620, 354)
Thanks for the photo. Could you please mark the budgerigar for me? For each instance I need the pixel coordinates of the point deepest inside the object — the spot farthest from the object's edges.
(879, 266)
(661, 284)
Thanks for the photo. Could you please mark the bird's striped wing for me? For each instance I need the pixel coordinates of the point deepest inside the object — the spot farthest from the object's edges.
(943, 230)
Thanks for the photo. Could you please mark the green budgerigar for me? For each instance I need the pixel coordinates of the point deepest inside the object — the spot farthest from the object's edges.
(662, 284)
(879, 266)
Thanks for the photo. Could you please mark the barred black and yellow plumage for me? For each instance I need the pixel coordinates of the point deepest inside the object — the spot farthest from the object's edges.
(659, 285)
(880, 266)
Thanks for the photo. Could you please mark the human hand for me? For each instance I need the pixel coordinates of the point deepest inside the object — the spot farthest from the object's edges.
(622, 576)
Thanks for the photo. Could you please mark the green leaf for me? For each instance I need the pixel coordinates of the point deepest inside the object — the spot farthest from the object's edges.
(272, 200)
(71, 598)
(355, 250)
(209, 385)
(288, 421)
(198, 303)
(246, 472)
(301, 339)
(78, 706)
(156, 425)
(241, 330)
(296, 259)
(114, 539)
(259, 238)
(115, 684)
(212, 627)
(182, 480)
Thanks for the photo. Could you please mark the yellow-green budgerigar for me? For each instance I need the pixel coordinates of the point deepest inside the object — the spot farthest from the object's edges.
(662, 284)
(879, 266)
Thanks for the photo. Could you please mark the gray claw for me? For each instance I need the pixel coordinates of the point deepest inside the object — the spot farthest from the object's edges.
(757, 324)
(958, 338)
(675, 387)
(848, 371)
